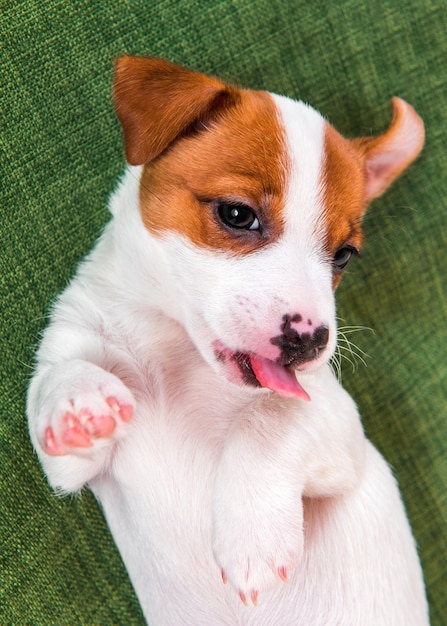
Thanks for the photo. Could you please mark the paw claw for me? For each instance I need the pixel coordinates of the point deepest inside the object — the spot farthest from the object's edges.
(71, 421)
(224, 576)
(254, 597)
(113, 404)
(282, 573)
(243, 598)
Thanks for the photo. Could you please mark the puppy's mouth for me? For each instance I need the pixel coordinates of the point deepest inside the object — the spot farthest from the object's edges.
(258, 371)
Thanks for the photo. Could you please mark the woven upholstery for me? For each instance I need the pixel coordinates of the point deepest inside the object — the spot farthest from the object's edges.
(61, 155)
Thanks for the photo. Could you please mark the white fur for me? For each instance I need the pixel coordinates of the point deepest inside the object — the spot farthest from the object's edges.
(209, 474)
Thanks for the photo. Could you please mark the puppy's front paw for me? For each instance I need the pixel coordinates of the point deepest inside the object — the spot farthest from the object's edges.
(84, 409)
(258, 537)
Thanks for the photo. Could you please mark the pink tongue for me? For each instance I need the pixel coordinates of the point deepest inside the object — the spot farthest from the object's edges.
(277, 378)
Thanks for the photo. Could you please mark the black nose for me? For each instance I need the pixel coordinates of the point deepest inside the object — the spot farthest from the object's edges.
(297, 348)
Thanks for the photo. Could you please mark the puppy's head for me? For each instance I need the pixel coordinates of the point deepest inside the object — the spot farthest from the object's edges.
(257, 204)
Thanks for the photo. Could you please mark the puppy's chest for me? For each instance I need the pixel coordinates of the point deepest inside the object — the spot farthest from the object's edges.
(183, 414)
(164, 470)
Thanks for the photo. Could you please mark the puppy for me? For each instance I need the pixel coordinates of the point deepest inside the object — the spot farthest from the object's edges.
(185, 375)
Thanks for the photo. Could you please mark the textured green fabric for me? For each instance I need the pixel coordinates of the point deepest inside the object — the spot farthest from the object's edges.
(61, 155)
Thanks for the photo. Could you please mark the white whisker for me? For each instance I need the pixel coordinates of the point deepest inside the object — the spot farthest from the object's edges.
(347, 350)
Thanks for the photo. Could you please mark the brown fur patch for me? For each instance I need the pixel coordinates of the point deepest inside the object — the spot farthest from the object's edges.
(343, 193)
(239, 156)
(156, 101)
(357, 171)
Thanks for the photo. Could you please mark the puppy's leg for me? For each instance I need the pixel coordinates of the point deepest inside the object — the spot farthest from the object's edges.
(76, 409)
(360, 556)
(258, 513)
(274, 454)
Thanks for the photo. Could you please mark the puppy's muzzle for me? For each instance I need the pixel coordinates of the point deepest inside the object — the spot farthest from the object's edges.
(298, 347)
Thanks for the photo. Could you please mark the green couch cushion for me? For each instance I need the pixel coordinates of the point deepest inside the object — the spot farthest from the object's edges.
(61, 155)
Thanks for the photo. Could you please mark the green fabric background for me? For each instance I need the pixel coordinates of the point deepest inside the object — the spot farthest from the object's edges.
(61, 155)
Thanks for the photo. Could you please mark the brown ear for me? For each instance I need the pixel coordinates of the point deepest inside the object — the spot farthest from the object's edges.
(156, 101)
(387, 155)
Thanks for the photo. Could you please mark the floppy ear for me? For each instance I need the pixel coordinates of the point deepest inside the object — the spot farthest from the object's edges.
(156, 101)
(387, 155)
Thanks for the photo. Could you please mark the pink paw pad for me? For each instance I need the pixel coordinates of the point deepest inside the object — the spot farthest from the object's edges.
(124, 410)
(80, 428)
(97, 425)
(75, 435)
(50, 444)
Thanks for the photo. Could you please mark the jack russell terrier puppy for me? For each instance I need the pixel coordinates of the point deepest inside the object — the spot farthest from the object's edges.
(185, 374)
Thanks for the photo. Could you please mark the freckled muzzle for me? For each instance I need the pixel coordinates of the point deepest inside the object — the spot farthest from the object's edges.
(299, 343)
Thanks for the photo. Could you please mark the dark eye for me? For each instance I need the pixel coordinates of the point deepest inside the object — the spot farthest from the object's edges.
(342, 256)
(237, 215)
